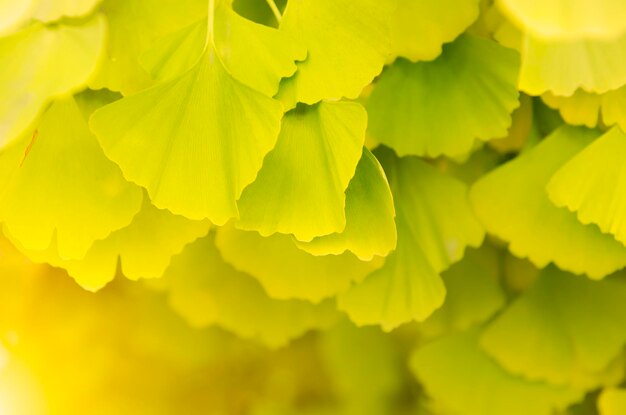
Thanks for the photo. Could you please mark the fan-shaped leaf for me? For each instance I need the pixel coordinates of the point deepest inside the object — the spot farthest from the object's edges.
(435, 225)
(57, 180)
(301, 188)
(512, 203)
(472, 82)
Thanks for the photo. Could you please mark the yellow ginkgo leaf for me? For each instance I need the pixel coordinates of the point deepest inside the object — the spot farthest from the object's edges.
(370, 227)
(194, 141)
(550, 333)
(133, 27)
(435, 224)
(563, 66)
(473, 82)
(286, 271)
(57, 180)
(463, 379)
(348, 43)
(590, 184)
(257, 55)
(420, 27)
(301, 188)
(13, 14)
(568, 19)
(144, 248)
(586, 108)
(512, 203)
(206, 290)
(40, 63)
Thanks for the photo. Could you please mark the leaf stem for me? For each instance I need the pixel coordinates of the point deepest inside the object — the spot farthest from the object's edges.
(211, 22)
(275, 10)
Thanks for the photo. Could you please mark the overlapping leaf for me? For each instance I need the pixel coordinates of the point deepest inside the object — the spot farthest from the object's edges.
(472, 82)
(70, 55)
(301, 188)
(512, 203)
(286, 271)
(612, 401)
(435, 225)
(206, 290)
(551, 333)
(56, 180)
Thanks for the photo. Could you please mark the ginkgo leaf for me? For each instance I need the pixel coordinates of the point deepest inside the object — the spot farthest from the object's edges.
(13, 14)
(133, 27)
(68, 53)
(420, 27)
(590, 184)
(551, 332)
(144, 248)
(51, 10)
(585, 108)
(435, 224)
(512, 203)
(56, 180)
(473, 293)
(348, 43)
(461, 378)
(286, 271)
(568, 19)
(301, 188)
(520, 130)
(474, 81)
(257, 55)
(612, 401)
(370, 227)
(185, 140)
(562, 66)
(206, 290)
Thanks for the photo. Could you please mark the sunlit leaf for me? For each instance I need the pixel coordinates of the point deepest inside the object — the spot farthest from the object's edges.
(51, 10)
(301, 188)
(13, 14)
(512, 203)
(56, 180)
(420, 27)
(286, 271)
(68, 53)
(459, 376)
(435, 225)
(206, 290)
(472, 82)
(370, 227)
(612, 401)
(348, 43)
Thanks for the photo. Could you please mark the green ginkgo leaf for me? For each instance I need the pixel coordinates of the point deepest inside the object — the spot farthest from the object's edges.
(40, 63)
(563, 66)
(286, 271)
(51, 10)
(612, 401)
(144, 248)
(187, 141)
(474, 82)
(420, 27)
(133, 27)
(57, 180)
(512, 203)
(473, 293)
(257, 55)
(463, 379)
(370, 227)
(590, 184)
(301, 188)
(568, 19)
(348, 43)
(564, 330)
(206, 290)
(435, 224)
